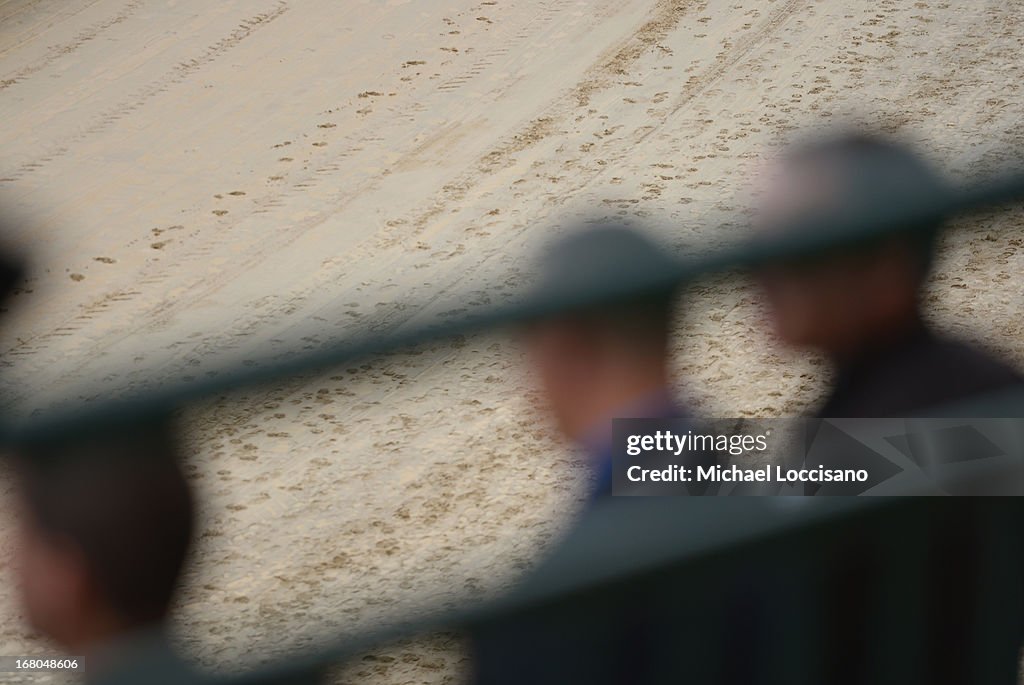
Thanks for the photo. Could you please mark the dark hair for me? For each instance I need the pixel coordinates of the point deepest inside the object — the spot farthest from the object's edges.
(120, 497)
(874, 170)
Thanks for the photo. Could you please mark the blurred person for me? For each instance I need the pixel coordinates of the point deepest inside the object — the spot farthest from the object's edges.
(593, 363)
(860, 304)
(855, 295)
(106, 521)
(605, 362)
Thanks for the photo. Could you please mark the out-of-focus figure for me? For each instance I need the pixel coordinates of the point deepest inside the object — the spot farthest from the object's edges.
(106, 521)
(611, 361)
(860, 304)
(593, 363)
(854, 293)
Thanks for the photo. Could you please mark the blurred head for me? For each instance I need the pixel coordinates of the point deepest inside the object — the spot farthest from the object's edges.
(106, 523)
(593, 362)
(841, 300)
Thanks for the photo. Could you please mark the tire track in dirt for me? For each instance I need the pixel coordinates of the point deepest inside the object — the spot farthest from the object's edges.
(210, 240)
(616, 61)
(66, 49)
(744, 46)
(269, 243)
(175, 75)
(17, 7)
(666, 20)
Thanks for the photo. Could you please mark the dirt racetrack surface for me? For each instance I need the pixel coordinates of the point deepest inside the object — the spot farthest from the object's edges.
(204, 182)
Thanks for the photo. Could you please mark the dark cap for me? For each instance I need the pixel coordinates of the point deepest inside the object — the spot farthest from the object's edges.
(601, 264)
(884, 190)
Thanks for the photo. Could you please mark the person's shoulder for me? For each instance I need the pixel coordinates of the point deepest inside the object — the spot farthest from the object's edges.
(925, 373)
(947, 371)
(969, 360)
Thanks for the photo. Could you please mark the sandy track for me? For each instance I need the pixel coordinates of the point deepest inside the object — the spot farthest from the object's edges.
(208, 182)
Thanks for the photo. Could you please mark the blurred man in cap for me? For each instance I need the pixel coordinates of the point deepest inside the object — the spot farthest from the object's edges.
(601, 362)
(601, 352)
(859, 302)
(106, 520)
(848, 223)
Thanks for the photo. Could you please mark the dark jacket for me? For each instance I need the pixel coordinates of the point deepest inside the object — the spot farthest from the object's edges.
(919, 372)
